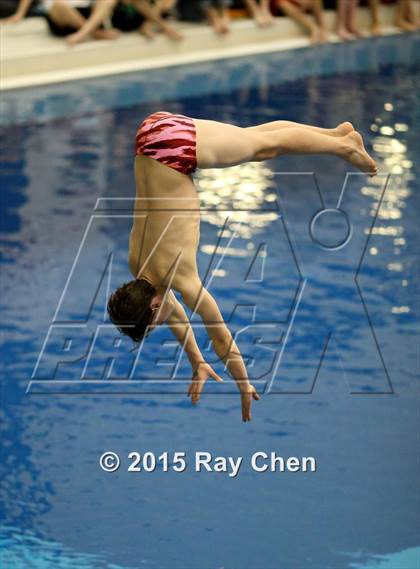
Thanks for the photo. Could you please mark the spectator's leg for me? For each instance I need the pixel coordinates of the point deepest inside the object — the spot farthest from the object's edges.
(375, 23)
(412, 15)
(254, 9)
(102, 10)
(267, 15)
(402, 12)
(215, 18)
(301, 18)
(259, 12)
(165, 5)
(225, 14)
(318, 11)
(341, 27)
(351, 19)
(65, 16)
(161, 7)
(153, 14)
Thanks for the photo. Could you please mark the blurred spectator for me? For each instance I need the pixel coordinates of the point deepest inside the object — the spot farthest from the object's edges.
(78, 19)
(216, 12)
(298, 10)
(141, 15)
(10, 9)
(260, 11)
(405, 17)
(375, 23)
(74, 19)
(346, 20)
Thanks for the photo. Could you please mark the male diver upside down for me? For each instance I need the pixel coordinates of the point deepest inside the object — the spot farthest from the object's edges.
(163, 246)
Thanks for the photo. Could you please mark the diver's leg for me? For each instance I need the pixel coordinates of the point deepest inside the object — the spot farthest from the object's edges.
(220, 145)
(340, 130)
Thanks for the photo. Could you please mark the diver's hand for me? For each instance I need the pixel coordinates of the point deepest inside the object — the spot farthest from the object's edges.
(248, 393)
(200, 376)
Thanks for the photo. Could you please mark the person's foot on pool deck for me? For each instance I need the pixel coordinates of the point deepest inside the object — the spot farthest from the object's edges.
(376, 30)
(318, 36)
(405, 25)
(110, 34)
(356, 32)
(75, 38)
(80, 36)
(315, 36)
(173, 34)
(225, 22)
(355, 153)
(323, 36)
(264, 18)
(344, 34)
(147, 31)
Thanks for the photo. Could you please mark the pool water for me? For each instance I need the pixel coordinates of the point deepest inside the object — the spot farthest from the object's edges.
(323, 302)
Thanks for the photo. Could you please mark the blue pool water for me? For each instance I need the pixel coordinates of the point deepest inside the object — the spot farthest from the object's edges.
(330, 332)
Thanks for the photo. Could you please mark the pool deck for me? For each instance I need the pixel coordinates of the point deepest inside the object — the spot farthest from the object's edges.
(31, 56)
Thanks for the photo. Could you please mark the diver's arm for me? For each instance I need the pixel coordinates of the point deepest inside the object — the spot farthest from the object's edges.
(198, 299)
(181, 328)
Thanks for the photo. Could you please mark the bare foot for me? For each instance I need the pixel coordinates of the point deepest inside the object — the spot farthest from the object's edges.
(344, 34)
(146, 30)
(75, 38)
(323, 36)
(319, 35)
(225, 24)
(173, 34)
(110, 34)
(268, 17)
(355, 153)
(343, 128)
(220, 27)
(264, 19)
(356, 32)
(315, 36)
(259, 20)
(376, 30)
(406, 26)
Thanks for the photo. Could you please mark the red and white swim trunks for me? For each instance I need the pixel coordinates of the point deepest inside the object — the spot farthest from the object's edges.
(170, 139)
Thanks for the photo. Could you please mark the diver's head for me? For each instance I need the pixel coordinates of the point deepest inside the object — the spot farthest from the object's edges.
(137, 307)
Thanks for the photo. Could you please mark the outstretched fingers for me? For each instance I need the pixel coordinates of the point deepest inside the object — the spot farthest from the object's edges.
(195, 390)
(246, 399)
(216, 377)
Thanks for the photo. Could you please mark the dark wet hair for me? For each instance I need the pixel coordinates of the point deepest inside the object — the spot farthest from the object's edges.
(129, 308)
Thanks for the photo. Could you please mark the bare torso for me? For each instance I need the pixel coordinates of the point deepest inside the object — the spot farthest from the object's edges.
(166, 225)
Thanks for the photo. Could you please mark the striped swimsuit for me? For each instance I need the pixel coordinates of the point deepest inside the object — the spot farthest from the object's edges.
(170, 139)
